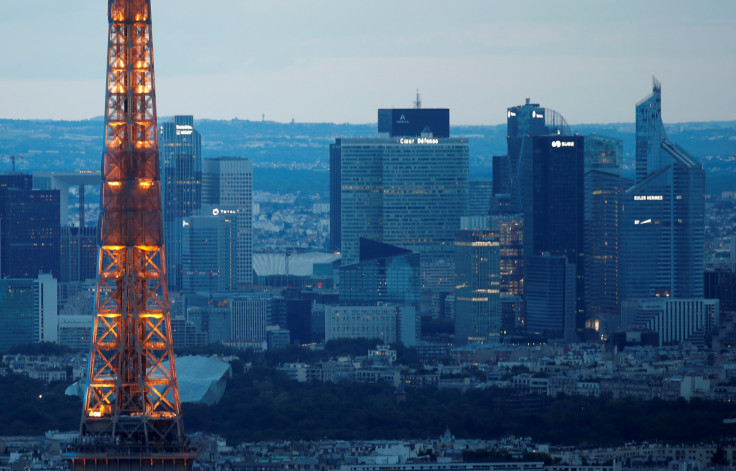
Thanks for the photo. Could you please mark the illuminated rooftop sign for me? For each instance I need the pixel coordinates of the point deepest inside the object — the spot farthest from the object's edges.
(184, 129)
(419, 140)
(558, 144)
(648, 197)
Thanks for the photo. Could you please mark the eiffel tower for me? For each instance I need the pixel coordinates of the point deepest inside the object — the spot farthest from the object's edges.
(131, 417)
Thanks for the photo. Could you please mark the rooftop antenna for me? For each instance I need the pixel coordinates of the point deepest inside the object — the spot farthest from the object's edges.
(418, 103)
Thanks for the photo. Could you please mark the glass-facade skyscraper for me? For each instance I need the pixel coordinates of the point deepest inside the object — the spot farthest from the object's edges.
(408, 191)
(180, 147)
(663, 220)
(228, 181)
(30, 233)
(604, 186)
(477, 282)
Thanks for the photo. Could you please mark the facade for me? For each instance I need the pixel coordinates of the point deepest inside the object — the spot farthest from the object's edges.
(477, 282)
(180, 148)
(479, 197)
(388, 322)
(199, 267)
(249, 317)
(721, 285)
(510, 230)
(553, 202)
(78, 249)
(408, 188)
(404, 192)
(674, 320)
(604, 187)
(385, 273)
(663, 220)
(403, 122)
(228, 181)
(75, 331)
(28, 311)
(29, 229)
(550, 297)
(213, 320)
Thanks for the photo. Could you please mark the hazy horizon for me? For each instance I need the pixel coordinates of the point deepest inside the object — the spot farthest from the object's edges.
(327, 61)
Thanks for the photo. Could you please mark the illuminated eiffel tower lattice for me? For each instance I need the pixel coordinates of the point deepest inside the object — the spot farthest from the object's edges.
(131, 417)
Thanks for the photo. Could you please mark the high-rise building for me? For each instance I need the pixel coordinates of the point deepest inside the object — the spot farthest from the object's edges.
(385, 273)
(477, 282)
(663, 214)
(550, 297)
(675, 320)
(388, 322)
(209, 256)
(29, 229)
(28, 311)
(249, 317)
(78, 249)
(479, 197)
(553, 203)
(180, 147)
(228, 181)
(407, 190)
(604, 187)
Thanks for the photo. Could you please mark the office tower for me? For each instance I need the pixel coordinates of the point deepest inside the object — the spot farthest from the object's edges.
(407, 190)
(388, 322)
(29, 229)
(27, 311)
(675, 320)
(335, 196)
(131, 417)
(209, 255)
(510, 230)
(78, 249)
(75, 331)
(553, 202)
(180, 146)
(550, 297)
(604, 187)
(249, 317)
(523, 122)
(384, 273)
(479, 197)
(477, 282)
(721, 285)
(663, 220)
(213, 319)
(228, 181)
(62, 181)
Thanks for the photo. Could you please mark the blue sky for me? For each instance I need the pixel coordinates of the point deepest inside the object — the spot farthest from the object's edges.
(338, 61)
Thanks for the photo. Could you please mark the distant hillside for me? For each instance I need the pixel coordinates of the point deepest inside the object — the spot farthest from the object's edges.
(64, 145)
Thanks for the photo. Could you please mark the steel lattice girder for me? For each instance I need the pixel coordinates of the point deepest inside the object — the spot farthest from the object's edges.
(132, 393)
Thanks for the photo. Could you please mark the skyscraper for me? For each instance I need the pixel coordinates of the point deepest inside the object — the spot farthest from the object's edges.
(604, 187)
(180, 147)
(78, 254)
(663, 214)
(550, 297)
(27, 310)
(404, 190)
(385, 273)
(477, 282)
(29, 229)
(228, 181)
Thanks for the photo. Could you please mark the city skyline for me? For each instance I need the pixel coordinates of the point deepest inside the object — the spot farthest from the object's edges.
(305, 61)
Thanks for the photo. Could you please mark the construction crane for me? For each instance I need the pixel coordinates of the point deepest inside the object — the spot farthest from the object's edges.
(13, 158)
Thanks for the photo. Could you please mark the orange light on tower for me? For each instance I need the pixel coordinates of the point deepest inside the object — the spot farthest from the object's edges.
(132, 399)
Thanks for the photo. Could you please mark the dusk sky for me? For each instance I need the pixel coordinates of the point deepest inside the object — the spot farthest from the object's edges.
(338, 61)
